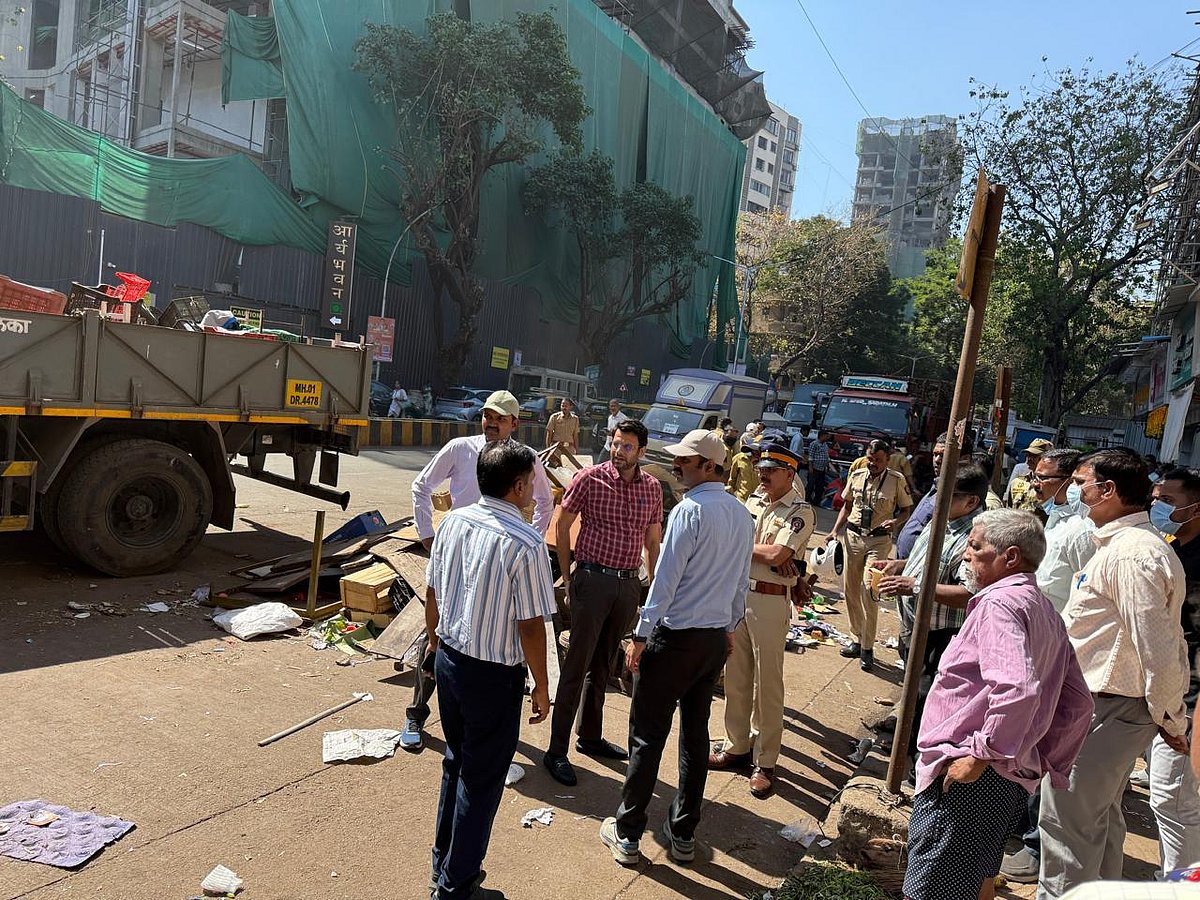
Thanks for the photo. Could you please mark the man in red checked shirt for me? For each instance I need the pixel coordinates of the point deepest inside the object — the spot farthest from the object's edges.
(621, 509)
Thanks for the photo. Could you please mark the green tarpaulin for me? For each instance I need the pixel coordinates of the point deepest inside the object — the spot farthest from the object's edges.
(653, 127)
(250, 65)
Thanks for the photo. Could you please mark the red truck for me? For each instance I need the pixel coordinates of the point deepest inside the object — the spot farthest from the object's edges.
(867, 407)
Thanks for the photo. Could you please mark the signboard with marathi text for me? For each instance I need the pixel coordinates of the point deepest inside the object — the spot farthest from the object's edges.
(1156, 422)
(500, 357)
(336, 293)
(645, 376)
(381, 334)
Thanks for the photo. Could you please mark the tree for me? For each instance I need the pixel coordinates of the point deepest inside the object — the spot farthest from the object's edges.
(1074, 153)
(468, 99)
(812, 275)
(637, 248)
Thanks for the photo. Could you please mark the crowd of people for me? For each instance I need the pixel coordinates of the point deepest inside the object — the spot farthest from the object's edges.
(1061, 646)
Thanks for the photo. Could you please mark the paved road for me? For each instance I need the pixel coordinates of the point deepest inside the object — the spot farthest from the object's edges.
(155, 718)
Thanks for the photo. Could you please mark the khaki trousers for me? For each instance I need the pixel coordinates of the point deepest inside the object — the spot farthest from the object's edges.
(862, 610)
(754, 679)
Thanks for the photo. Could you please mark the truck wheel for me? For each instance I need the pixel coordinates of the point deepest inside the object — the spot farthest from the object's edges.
(134, 507)
(48, 507)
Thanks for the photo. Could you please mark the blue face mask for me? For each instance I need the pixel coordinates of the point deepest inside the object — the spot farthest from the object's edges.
(1075, 500)
(1160, 516)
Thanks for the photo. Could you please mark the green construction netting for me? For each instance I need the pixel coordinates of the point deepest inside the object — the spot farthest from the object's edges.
(228, 194)
(250, 65)
(652, 126)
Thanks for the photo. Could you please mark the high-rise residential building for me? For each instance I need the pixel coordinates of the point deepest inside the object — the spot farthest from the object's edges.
(770, 176)
(909, 172)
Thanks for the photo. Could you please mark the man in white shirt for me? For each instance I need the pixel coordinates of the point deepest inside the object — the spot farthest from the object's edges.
(458, 462)
(399, 401)
(615, 418)
(1124, 619)
(1069, 545)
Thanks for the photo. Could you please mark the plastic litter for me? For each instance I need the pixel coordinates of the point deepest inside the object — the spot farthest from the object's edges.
(220, 882)
(262, 618)
(515, 774)
(802, 831)
(543, 814)
(860, 753)
(156, 607)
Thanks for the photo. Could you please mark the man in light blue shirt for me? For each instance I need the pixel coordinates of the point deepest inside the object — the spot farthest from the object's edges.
(680, 644)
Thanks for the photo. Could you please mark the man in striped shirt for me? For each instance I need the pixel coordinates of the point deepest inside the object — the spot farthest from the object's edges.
(490, 593)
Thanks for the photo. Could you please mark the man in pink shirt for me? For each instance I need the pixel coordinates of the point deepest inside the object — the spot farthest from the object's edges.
(1008, 706)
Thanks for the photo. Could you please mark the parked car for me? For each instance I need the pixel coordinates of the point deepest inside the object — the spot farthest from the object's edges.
(381, 399)
(538, 407)
(462, 403)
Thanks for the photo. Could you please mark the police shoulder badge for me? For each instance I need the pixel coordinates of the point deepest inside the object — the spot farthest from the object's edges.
(797, 524)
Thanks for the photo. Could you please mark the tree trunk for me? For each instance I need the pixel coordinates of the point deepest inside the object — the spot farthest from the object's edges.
(1054, 374)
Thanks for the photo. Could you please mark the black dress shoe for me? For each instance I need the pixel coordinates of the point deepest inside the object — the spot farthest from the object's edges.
(867, 660)
(601, 748)
(854, 651)
(560, 769)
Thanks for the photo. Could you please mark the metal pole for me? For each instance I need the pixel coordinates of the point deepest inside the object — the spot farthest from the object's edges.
(1003, 395)
(175, 82)
(100, 265)
(959, 412)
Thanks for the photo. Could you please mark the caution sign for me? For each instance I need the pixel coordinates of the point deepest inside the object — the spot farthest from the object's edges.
(303, 394)
(500, 357)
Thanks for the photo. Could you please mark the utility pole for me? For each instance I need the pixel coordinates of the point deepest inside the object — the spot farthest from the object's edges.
(974, 282)
(1000, 421)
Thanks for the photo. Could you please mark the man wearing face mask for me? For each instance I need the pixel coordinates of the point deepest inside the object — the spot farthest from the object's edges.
(1174, 791)
(1069, 546)
(1123, 618)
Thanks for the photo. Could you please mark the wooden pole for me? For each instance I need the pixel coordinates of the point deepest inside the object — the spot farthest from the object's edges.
(314, 571)
(982, 236)
(312, 719)
(1003, 396)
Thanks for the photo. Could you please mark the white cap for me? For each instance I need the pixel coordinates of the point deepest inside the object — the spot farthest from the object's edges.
(700, 442)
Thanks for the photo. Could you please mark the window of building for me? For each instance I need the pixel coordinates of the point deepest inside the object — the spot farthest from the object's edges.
(755, 207)
(758, 164)
(36, 97)
(758, 186)
(774, 147)
(770, 169)
(762, 143)
(772, 126)
(789, 158)
(793, 136)
(43, 37)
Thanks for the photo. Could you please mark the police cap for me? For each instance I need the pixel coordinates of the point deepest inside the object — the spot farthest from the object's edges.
(777, 456)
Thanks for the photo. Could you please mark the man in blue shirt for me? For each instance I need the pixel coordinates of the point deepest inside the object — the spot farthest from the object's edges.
(818, 467)
(682, 638)
(922, 515)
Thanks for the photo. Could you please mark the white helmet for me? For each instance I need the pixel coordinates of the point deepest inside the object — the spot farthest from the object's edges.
(827, 561)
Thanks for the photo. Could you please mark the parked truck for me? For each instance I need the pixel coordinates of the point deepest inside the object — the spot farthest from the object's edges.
(866, 407)
(119, 441)
(700, 398)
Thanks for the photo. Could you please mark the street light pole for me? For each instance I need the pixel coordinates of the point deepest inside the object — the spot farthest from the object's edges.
(742, 341)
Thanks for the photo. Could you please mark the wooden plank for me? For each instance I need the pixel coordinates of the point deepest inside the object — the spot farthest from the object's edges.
(398, 637)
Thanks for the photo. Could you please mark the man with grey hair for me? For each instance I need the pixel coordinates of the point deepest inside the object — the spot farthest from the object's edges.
(1008, 706)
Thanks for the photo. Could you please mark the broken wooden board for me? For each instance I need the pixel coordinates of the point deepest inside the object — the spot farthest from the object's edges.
(397, 639)
(552, 531)
(408, 559)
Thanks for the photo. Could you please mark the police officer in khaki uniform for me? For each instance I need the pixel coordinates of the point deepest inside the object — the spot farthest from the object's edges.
(875, 505)
(754, 671)
(742, 478)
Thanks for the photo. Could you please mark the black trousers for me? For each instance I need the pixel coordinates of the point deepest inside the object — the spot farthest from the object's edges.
(423, 688)
(480, 704)
(815, 489)
(677, 668)
(602, 608)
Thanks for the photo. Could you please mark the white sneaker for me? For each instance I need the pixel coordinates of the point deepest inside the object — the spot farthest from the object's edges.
(623, 851)
(679, 850)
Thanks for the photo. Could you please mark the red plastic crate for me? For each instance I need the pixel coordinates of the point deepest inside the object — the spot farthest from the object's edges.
(27, 298)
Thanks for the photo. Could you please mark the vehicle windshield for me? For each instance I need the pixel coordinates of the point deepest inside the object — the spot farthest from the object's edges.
(671, 421)
(798, 413)
(866, 413)
(457, 394)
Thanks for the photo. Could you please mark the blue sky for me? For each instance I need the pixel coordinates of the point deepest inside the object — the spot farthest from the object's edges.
(915, 58)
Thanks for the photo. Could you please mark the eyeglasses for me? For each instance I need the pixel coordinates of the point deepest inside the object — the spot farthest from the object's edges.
(1040, 478)
(626, 447)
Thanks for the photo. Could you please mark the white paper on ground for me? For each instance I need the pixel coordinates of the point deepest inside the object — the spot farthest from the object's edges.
(802, 831)
(353, 743)
(543, 814)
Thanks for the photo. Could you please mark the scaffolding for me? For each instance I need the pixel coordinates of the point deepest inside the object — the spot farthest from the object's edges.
(105, 66)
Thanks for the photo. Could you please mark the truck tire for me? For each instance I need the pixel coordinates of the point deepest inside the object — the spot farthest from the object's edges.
(48, 507)
(134, 507)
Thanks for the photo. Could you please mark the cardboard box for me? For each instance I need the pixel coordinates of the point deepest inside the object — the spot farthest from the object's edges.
(368, 589)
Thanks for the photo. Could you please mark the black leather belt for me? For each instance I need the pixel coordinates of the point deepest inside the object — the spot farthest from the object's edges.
(605, 570)
(874, 532)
